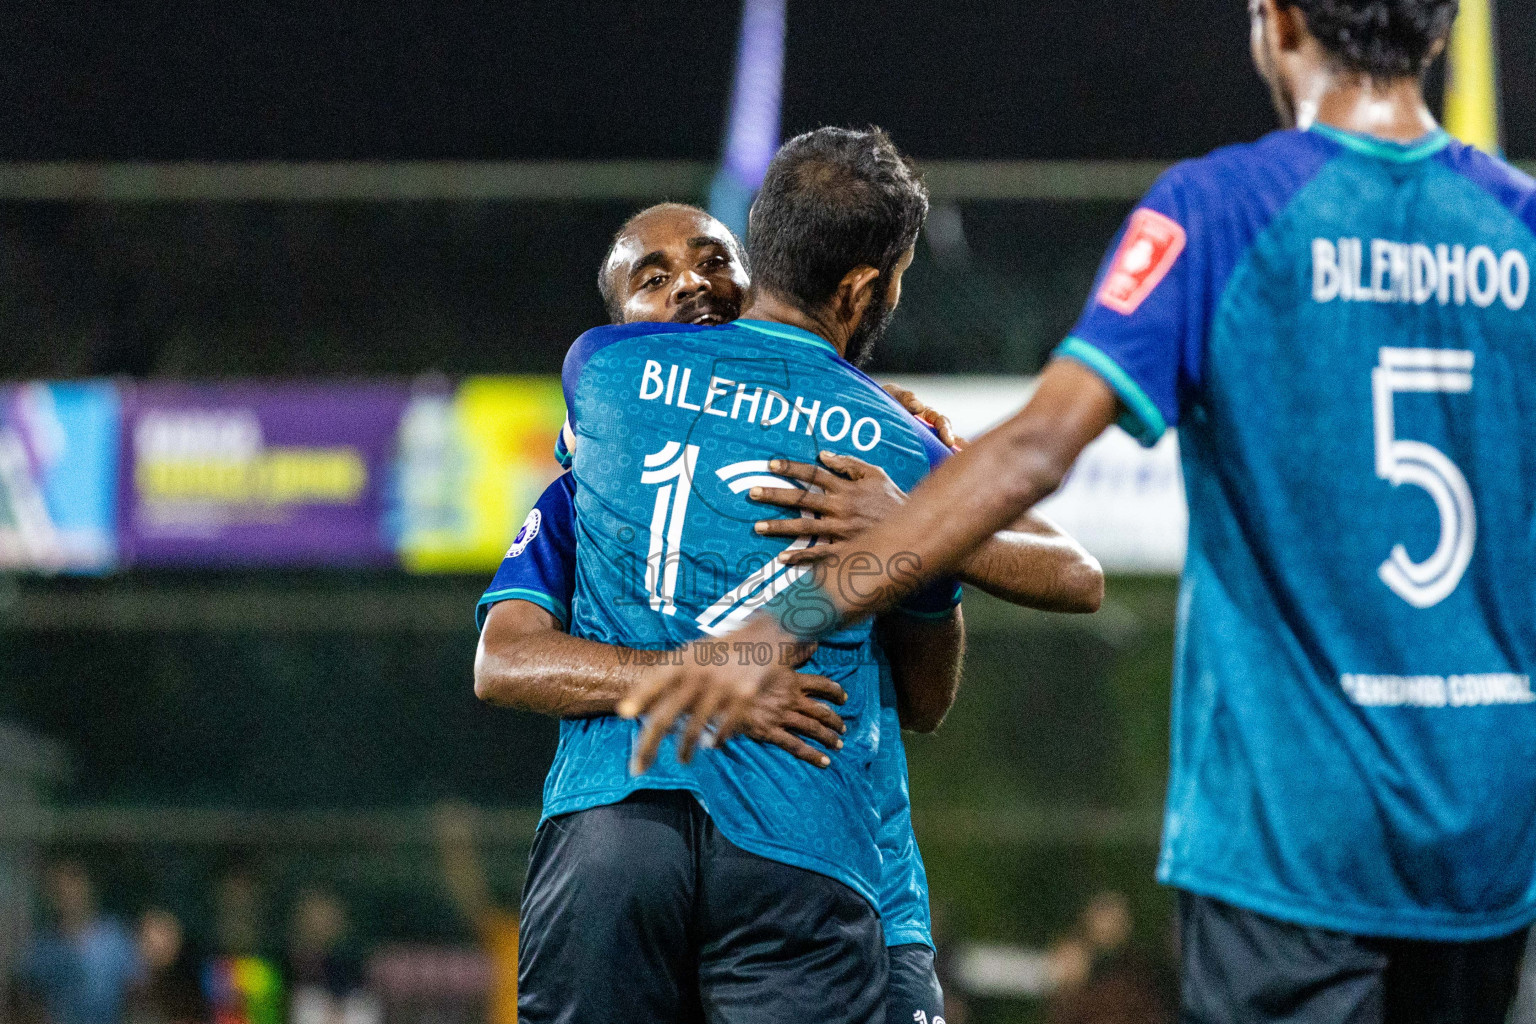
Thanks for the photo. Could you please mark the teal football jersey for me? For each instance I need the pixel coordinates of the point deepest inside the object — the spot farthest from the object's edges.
(673, 426)
(1342, 329)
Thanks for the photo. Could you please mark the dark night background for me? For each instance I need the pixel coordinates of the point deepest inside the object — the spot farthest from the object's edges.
(392, 80)
(264, 289)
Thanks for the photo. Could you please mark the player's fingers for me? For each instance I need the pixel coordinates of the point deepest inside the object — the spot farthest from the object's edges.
(799, 527)
(847, 465)
(805, 472)
(821, 686)
(703, 710)
(808, 556)
(658, 724)
(811, 729)
(945, 429)
(798, 748)
(643, 695)
(791, 497)
(823, 714)
(909, 401)
(731, 720)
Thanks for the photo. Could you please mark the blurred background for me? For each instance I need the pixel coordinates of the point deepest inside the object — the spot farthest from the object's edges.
(283, 289)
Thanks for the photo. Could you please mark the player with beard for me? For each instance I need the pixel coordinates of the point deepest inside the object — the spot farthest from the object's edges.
(676, 263)
(1338, 319)
(742, 870)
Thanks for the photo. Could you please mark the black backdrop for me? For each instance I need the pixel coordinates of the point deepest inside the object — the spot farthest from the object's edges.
(388, 79)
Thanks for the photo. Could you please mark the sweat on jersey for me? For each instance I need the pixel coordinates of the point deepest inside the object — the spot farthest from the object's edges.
(541, 568)
(1342, 329)
(673, 426)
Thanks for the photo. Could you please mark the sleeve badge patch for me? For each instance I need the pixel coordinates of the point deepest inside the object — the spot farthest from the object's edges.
(1151, 246)
(525, 536)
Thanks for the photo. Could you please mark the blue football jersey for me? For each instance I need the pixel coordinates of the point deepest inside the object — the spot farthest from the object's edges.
(541, 568)
(1342, 330)
(673, 425)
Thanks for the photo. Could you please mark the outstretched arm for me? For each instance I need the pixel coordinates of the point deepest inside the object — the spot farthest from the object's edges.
(526, 661)
(1032, 563)
(987, 486)
(984, 488)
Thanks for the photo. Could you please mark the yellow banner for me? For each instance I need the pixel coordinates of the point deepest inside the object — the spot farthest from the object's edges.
(472, 467)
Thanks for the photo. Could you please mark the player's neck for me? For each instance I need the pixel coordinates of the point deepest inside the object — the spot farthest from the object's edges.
(769, 307)
(1393, 110)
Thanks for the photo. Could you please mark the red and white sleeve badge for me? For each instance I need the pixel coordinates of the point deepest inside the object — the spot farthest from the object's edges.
(1149, 250)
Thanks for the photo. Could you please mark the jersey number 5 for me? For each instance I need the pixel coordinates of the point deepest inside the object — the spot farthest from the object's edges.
(1423, 370)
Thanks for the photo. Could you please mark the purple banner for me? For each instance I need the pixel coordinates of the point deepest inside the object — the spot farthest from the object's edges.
(271, 474)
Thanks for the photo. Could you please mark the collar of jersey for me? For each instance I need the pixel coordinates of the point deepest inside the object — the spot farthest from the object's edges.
(787, 332)
(1396, 152)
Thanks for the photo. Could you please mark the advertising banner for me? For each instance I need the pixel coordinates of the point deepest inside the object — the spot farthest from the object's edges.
(1123, 502)
(259, 474)
(58, 476)
(431, 476)
(471, 466)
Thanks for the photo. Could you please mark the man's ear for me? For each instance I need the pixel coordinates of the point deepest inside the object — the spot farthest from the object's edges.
(1288, 24)
(853, 295)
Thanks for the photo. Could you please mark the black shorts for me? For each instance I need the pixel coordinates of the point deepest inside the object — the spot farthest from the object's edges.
(913, 995)
(642, 911)
(1242, 966)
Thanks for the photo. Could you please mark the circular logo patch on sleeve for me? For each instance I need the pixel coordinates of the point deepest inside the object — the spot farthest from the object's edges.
(525, 536)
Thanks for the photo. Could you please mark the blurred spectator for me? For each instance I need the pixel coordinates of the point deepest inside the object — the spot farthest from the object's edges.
(325, 977)
(80, 967)
(169, 990)
(239, 913)
(241, 984)
(464, 875)
(1101, 977)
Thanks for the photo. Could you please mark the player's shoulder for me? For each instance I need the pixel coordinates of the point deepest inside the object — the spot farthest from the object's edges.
(919, 433)
(601, 339)
(1511, 186)
(1273, 167)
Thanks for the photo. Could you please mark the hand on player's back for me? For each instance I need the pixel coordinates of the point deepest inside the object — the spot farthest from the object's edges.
(782, 715)
(928, 414)
(847, 494)
(733, 694)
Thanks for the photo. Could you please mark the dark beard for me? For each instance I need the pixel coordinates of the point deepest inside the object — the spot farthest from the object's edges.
(861, 344)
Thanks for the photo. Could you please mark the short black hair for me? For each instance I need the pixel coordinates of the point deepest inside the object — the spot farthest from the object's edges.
(834, 199)
(613, 302)
(1381, 38)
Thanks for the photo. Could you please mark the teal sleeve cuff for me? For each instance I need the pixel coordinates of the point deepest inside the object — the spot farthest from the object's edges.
(538, 597)
(1142, 419)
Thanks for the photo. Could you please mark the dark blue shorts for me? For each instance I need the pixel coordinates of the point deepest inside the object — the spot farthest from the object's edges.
(913, 995)
(643, 911)
(1242, 966)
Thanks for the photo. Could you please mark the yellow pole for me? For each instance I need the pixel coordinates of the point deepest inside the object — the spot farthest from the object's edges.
(1471, 88)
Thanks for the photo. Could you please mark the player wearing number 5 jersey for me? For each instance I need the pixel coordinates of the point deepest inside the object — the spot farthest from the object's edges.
(1339, 320)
